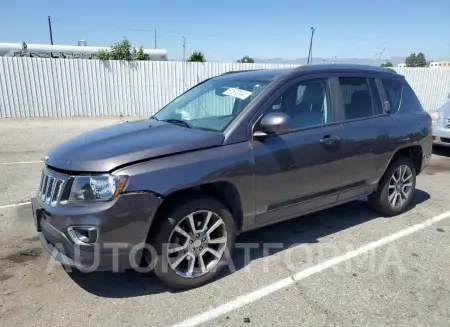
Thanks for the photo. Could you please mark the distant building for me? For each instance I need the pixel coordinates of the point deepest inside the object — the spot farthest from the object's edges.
(440, 64)
(66, 51)
(403, 65)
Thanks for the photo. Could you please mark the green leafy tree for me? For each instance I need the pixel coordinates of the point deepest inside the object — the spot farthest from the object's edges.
(103, 55)
(247, 59)
(414, 60)
(140, 55)
(387, 64)
(411, 60)
(421, 60)
(120, 51)
(197, 56)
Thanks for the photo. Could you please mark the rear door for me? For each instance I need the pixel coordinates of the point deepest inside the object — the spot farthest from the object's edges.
(366, 133)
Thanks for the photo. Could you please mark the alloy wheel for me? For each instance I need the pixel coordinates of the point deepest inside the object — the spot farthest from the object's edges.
(400, 186)
(197, 244)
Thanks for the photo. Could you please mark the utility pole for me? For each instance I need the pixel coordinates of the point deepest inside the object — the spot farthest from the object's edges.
(50, 30)
(310, 45)
(155, 38)
(378, 56)
(184, 48)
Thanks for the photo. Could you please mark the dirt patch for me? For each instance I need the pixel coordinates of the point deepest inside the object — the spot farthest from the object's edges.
(437, 168)
(32, 239)
(24, 255)
(5, 277)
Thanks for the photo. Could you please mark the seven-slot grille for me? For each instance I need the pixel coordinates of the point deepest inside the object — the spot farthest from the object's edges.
(52, 187)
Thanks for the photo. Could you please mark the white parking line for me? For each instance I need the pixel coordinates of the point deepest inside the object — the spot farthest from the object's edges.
(14, 205)
(281, 284)
(20, 162)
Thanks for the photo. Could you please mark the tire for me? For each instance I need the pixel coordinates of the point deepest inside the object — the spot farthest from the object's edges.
(177, 218)
(380, 199)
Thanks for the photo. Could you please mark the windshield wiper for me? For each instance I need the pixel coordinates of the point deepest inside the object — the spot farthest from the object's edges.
(178, 122)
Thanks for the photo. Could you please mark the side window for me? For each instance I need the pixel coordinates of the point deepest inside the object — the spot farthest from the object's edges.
(393, 90)
(356, 97)
(307, 102)
(376, 99)
(409, 100)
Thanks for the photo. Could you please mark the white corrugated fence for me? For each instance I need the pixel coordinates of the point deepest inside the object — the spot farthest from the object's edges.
(38, 87)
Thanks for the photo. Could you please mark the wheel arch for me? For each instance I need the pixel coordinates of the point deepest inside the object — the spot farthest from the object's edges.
(414, 152)
(223, 191)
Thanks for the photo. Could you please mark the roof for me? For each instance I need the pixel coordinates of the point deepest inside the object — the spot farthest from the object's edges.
(347, 68)
(258, 74)
(270, 74)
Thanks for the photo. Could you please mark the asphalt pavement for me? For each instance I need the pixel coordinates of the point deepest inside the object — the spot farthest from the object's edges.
(345, 266)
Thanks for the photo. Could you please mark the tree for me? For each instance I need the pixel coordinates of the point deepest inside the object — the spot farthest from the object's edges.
(103, 55)
(197, 56)
(140, 55)
(247, 59)
(421, 60)
(387, 64)
(411, 60)
(122, 51)
(414, 60)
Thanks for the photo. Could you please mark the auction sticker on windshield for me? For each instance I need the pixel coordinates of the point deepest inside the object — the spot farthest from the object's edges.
(237, 93)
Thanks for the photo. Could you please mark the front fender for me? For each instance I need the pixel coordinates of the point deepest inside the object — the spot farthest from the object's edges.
(232, 163)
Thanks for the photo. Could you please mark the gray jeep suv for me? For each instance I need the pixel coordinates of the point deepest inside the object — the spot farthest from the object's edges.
(236, 152)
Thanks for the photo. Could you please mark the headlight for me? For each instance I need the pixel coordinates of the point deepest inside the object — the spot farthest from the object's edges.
(97, 188)
(436, 117)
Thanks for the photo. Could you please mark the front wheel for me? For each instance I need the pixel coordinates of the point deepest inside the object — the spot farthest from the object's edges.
(193, 243)
(395, 189)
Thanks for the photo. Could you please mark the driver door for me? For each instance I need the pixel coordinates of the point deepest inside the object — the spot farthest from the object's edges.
(299, 170)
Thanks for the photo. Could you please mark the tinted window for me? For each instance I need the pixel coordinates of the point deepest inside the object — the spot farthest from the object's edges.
(376, 100)
(356, 97)
(393, 90)
(307, 102)
(409, 101)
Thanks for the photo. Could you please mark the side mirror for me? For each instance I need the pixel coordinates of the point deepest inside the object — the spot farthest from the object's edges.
(274, 123)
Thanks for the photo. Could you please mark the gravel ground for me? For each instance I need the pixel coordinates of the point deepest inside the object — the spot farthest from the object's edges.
(403, 283)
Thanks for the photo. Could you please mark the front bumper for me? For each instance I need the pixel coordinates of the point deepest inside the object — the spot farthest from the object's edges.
(441, 135)
(122, 225)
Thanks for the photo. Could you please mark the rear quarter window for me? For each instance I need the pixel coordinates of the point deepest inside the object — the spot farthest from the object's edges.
(394, 91)
(410, 101)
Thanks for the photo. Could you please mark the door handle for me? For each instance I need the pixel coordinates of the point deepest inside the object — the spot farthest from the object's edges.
(330, 140)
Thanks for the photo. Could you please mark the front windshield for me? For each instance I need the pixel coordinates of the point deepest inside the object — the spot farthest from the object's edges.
(213, 104)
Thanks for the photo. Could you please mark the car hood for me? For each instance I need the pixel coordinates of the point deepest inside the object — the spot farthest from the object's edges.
(104, 149)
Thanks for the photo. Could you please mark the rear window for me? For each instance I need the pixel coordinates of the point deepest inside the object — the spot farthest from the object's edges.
(393, 90)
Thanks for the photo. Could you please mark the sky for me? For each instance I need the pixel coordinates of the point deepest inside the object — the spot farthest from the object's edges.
(228, 30)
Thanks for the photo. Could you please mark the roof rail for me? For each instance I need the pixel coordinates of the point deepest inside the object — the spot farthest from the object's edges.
(239, 71)
(390, 69)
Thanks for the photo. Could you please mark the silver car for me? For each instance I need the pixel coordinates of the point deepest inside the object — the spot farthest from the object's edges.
(441, 125)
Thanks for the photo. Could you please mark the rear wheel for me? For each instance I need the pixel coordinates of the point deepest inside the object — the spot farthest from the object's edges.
(395, 189)
(193, 243)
